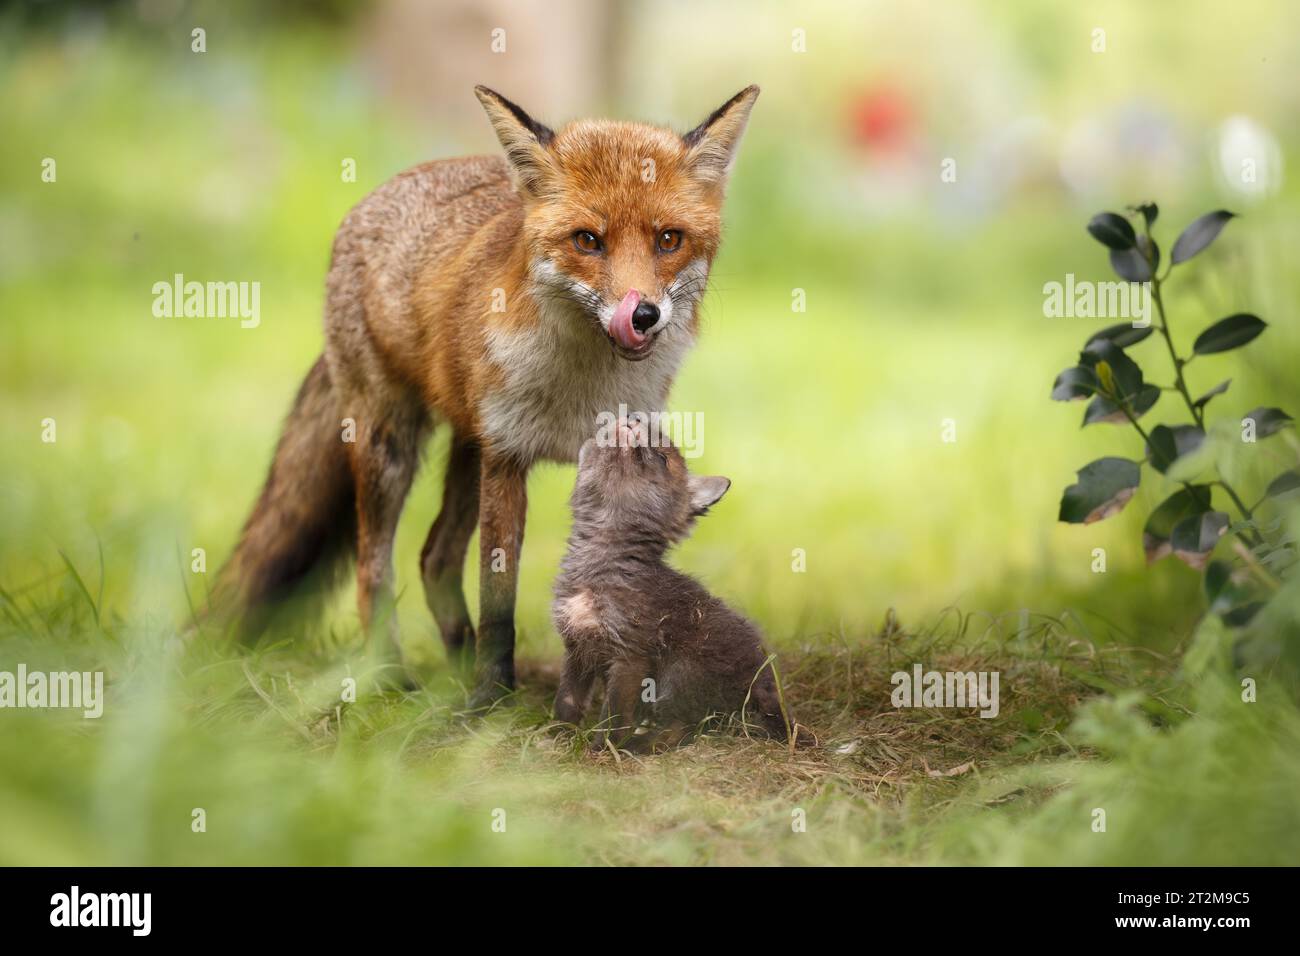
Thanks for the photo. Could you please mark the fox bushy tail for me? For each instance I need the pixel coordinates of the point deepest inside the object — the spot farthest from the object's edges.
(302, 532)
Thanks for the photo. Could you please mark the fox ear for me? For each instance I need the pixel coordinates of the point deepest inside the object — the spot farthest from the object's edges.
(713, 143)
(706, 491)
(522, 137)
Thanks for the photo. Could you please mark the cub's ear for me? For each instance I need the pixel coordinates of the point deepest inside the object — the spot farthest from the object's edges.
(706, 491)
(713, 143)
(522, 137)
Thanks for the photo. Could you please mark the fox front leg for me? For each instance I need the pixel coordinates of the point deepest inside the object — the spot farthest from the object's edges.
(503, 506)
(618, 720)
(574, 693)
(442, 560)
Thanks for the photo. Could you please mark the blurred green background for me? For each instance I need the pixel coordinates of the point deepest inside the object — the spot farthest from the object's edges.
(924, 302)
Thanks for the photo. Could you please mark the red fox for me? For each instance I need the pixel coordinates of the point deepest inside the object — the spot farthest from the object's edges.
(513, 300)
(657, 641)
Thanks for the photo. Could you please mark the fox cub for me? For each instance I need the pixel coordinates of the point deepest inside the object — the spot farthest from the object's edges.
(661, 644)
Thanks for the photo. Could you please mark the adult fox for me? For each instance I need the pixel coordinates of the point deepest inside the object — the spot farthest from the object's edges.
(514, 300)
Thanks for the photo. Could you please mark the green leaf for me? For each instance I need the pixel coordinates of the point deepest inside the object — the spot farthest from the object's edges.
(1227, 596)
(1102, 409)
(1230, 333)
(1112, 230)
(1126, 373)
(1241, 616)
(1254, 524)
(1267, 420)
(1074, 384)
(1283, 484)
(1194, 537)
(1123, 335)
(1279, 559)
(1217, 390)
(1106, 377)
(1150, 249)
(1149, 210)
(1104, 487)
(1200, 234)
(1161, 523)
(1166, 445)
(1218, 576)
(1120, 379)
(1130, 264)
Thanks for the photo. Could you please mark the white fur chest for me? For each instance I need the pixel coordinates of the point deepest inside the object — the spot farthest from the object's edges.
(561, 374)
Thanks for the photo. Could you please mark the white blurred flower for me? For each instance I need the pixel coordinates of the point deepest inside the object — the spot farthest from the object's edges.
(1250, 160)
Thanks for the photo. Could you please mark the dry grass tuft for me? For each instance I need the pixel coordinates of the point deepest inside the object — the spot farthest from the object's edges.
(841, 689)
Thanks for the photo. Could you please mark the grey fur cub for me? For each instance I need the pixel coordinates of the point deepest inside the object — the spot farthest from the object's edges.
(663, 647)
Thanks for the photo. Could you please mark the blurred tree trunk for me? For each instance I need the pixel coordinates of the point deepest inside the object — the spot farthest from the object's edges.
(557, 59)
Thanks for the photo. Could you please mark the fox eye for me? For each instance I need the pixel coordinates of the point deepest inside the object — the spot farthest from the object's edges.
(586, 241)
(663, 459)
(670, 240)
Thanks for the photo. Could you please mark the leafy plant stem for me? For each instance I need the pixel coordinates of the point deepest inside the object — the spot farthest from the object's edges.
(1123, 406)
(1241, 506)
(1180, 383)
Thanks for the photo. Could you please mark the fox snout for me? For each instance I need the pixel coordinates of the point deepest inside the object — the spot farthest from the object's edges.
(631, 321)
(645, 317)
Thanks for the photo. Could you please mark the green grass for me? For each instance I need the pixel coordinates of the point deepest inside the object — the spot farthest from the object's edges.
(284, 772)
(828, 421)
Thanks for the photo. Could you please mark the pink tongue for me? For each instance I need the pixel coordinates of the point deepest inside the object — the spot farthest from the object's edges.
(620, 326)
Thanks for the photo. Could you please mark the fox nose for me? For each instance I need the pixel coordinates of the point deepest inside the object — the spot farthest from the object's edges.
(645, 316)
